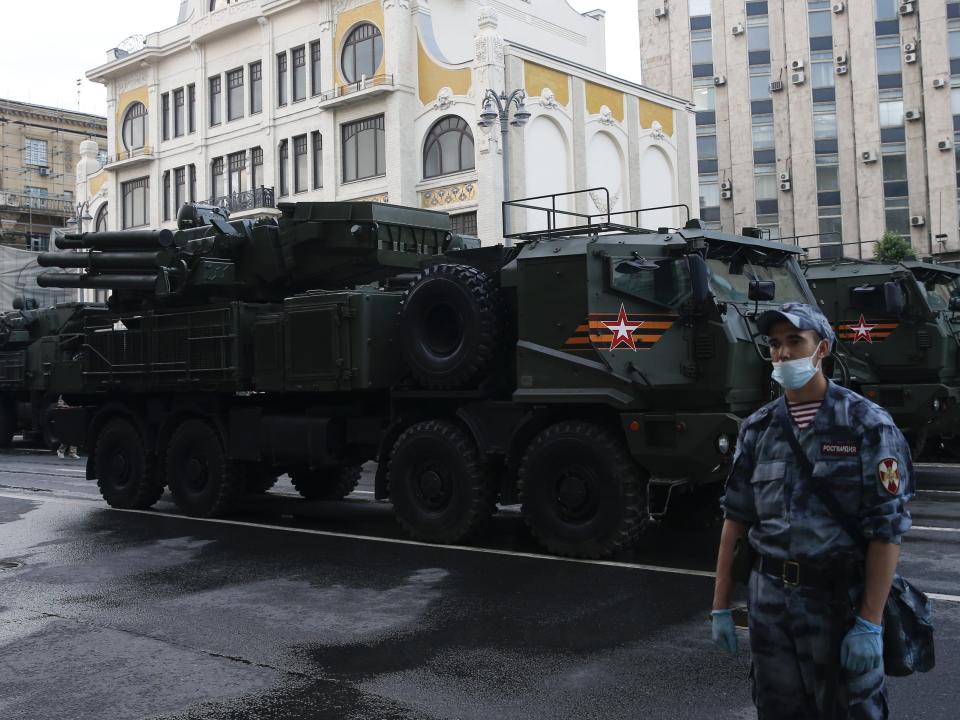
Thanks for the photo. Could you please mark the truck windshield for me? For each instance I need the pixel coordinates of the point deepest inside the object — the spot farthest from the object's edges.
(668, 284)
(939, 292)
(732, 268)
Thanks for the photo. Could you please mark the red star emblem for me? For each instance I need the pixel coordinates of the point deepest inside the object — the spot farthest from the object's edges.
(623, 330)
(862, 330)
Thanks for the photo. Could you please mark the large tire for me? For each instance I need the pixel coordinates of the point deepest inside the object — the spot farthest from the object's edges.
(8, 423)
(201, 479)
(439, 486)
(581, 491)
(326, 483)
(450, 326)
(125, 469)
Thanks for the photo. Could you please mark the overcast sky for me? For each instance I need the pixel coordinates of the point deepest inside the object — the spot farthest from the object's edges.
(51, 43)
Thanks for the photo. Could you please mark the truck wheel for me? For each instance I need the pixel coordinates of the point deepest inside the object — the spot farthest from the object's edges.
(199, 476)
(581, 490)
(440, 489)
(125, 470)
(327, 483)
(8, 423)
(450, 326)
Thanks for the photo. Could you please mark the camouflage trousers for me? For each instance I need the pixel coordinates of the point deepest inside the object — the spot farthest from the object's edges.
(793, 647)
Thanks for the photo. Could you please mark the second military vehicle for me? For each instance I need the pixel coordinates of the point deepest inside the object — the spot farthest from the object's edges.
(898, 328)
(590, 372)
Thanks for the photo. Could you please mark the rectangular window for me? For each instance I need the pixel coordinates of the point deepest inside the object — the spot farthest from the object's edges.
(178, 113)
(237, 164)
(166, 195)
(886, 9)
(704, 95)
(828, 173)
(759, 82)
(953, 39)
(282, 79)
(824, 121)
(464, 224)
(235, 94)
(193, 183)
(831, 230)
(701, 47)
(216, 179)
(770, 223)
(888, 55)
(256, 88)
(165, 115)
(765, 182)
(698, 7)
(191, 108)
(891, 108)
(707, 142)
(180, 188)
(822, 73)
(36, 153)
(897, 215)
(820, 22)
(763, 137)
(256, 162)
(299, 73)
(215, 91)
(758, 33)
(955, 100)
(315, 79)
(136, 203)
(709, 191)
(282, 166)
(364, 153)
(300, 159)
(317, 141)
(894, 162)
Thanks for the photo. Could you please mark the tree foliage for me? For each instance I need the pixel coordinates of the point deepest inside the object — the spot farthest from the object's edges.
(892, 248)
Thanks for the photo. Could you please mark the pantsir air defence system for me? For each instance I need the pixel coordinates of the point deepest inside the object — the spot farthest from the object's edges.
(591, 372)
(899, 328)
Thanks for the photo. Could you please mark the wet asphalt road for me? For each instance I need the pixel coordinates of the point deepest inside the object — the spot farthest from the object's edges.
(293, 609)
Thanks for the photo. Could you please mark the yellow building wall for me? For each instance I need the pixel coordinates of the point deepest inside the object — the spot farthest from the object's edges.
(140, 94)
(432, 77)
(96, 182)
(598, 96)
(537, 77)
(650, 111)
(370, 12)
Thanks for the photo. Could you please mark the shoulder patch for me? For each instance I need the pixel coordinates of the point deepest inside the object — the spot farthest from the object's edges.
(888, 472)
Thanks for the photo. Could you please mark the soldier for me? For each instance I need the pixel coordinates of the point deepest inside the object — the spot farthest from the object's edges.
(811, 584)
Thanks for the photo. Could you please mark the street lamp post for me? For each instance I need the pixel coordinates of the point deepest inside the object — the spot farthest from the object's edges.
(497, 107)
(81, 214)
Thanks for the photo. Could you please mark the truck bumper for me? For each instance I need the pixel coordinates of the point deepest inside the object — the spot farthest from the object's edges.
(933, 407)
(682, 445)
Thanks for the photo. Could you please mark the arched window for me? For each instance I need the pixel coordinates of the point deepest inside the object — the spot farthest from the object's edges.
(101, 223)
(449, 148)
(134, 129)
(362, 52)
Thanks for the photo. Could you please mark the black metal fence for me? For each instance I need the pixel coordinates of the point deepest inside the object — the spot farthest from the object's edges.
(261, 197)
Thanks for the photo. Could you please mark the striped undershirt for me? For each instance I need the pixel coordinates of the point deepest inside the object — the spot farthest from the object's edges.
(802, 413)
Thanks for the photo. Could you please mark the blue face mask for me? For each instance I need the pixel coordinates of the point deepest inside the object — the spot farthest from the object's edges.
(794, 374)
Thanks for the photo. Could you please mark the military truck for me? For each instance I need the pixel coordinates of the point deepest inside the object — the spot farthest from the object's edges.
(591, 372)
(28, 344)
(898, 331)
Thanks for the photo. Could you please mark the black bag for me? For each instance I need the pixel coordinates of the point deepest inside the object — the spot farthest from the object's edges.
(744, 557)
(907, 621)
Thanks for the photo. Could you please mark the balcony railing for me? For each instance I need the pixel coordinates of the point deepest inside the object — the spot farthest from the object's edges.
(261, 197)
(360, 85)
(144, 152)
(56, 205)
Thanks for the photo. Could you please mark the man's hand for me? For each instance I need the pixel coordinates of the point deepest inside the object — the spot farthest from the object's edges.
(862, 647)
(724, 631)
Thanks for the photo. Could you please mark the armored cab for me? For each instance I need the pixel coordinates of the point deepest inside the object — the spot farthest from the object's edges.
(898, 334)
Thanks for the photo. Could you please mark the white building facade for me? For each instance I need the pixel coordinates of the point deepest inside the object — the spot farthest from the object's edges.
(249, 103)
(831, 120)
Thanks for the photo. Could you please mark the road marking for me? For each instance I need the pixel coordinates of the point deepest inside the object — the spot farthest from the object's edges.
(372, 538)
(945, 598)
(935, 529)
(940, 492)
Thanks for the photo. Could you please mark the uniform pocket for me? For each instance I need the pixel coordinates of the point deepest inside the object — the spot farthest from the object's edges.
(767, 483)
(842, 477)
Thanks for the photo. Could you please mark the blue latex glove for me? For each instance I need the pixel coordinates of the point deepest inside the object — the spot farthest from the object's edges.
(862, 647)
(724, 631)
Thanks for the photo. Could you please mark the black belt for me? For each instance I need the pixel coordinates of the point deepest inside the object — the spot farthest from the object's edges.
(793, 572)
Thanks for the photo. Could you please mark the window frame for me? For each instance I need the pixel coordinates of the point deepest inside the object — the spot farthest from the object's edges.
(298, 74)
(282, 66)
(235, 94)
(434, 139)
(132, 189)
(348, 131)
(215, 85)
(256, 87)
(128, 119)
(351, 44)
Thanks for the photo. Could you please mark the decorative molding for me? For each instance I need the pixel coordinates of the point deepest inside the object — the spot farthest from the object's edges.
(548, 100)
(488, 50)
(444, 99)
(488, 18)
(402, 4)
(449, 195)
(380, 198)
(600, 199)
(606, 118)
(135, 80)
(656, 129)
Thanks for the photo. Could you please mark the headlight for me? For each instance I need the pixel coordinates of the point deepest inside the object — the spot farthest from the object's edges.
(937, 404)
(723, 444)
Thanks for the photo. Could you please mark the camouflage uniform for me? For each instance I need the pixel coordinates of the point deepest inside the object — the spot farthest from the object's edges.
(848, 442)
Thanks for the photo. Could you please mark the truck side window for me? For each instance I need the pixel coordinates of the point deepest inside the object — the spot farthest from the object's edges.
(668, 285)
(869, 299)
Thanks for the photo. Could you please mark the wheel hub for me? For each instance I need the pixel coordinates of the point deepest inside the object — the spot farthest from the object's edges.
(118, 468)
(432, 489)
(195, 474)
(572, 491)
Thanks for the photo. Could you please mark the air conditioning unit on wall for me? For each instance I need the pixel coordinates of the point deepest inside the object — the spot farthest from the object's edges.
(910, 57)
(785, 185)
(785, 177)
(737, 29)
(776, 85)
(917, 221)
(719, 80)
(913, 115)
(837, 8)
(842, 70)
(905, 8)
(726, 185)
(945, 144)
(796, 65)
(939, 83)
(868, 156)
(798, 78)
(660, 12)
(841, 58)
